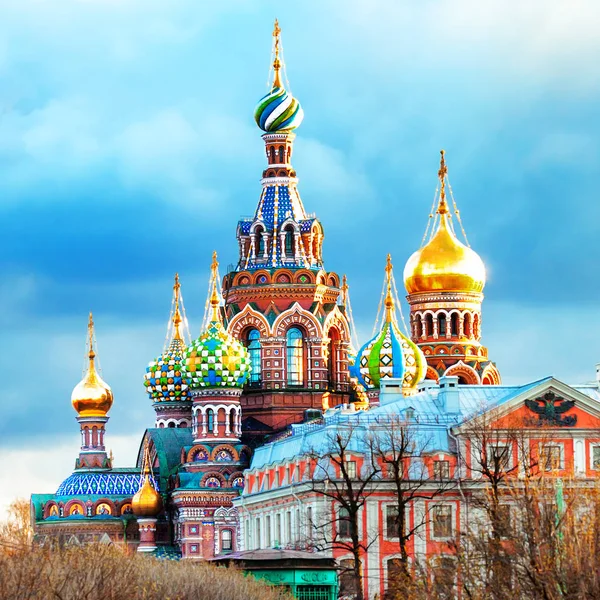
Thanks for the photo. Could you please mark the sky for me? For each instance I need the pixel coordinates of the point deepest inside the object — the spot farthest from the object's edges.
(128, 151)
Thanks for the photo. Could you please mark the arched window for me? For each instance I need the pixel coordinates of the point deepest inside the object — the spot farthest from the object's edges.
(429, 325)
(210, 419)
(332, 360)
(232, 421)
(281, 154)
(295, 357)
(271, 155)
(476, 326)
(442, 325)
(467, 325)
(226, 540)
(454, 324)
(94, 437)
(254, 352)
(260, 241)
(289, 241)
(419, 327)
(172, 425)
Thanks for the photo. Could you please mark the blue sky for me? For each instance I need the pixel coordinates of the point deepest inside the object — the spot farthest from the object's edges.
(128, 151)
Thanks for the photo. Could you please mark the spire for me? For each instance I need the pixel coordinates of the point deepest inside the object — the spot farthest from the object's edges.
(91, 353)
(276, 61)
(214, 294)
(389, 298)
(443, 205)
(344, 291)
(176, 314)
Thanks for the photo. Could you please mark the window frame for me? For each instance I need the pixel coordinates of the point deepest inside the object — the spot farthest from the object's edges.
(445, 475)
(345, 519)
(294, 357)
(561, 457)
(434, 509)
(594, 466)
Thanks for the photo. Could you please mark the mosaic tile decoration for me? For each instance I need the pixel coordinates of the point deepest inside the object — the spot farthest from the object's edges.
(115, 484)
(165, 379)
(216, 359)
(390, 354)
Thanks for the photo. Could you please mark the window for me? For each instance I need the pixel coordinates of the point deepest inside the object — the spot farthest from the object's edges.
(444, 576)
(278, 529)
(351, 469)
(343, 522)
(288, 527)
(313, 592)
(254, 352)
(441, 469)
(289, 241)
(550, 458)
(210, 419)
(596, 458)
(442, 521)
(347, 580)
(226, 540)
(392, 525)
(395, 577)
(429, 325)
(268, 532)
(295, 357)
(260, 241)
(454, 325)
(442, 325)
(498, 457)
(258, 532)
(232, 421)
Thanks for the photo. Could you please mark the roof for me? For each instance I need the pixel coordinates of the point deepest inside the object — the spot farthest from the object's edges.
(277, 558)
(427, 410)
(117, 482)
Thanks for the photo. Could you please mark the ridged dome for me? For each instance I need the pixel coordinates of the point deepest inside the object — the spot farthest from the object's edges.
(216, 359)
(444, 264)
(390, 353)
(278, 111)
(92, 397)
(165, 379)
(147, 501)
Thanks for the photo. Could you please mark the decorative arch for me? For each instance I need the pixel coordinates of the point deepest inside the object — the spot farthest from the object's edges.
(296, 316)
(206, 481)
(225, 447)
(431, 373)
(51, 509)
(242, 279)
(282, 276)
(304, 276)
(126, 508)
(467, 325)
(198, 452)
(74, 507)
(236, 480)
(468, 374)
(456, 349)
(491, 375)
(337, 319)
(333, 280)
(246, 319)
(321, 277)
(259, 275)
(104, 507)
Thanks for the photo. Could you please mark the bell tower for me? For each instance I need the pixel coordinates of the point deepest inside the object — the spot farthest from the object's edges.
(280, 301)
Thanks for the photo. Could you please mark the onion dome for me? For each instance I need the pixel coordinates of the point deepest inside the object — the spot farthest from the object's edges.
(278, 110)
(92, 397)
(390, 353)
(444, 264)
(147, 501)
(216, 359)
(165, 379)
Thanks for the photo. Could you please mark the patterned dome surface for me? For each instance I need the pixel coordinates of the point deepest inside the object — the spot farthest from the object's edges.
(116, 484)
(278, 111)
(165, 379)
(216, 359)
(390, 354)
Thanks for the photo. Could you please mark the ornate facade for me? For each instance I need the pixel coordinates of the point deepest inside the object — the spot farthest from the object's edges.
(274, 352)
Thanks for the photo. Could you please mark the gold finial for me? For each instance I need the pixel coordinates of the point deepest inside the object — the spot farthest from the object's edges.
(91, 353)
(389, 299)
(443, 205)
(276, 61)
(176, 315)
(214, 296)
(344, 291)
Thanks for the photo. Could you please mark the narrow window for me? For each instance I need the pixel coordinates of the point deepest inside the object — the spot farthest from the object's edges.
(289, 241)
(392, 525)
(454, 325)
(351, 469)
(268, 532)
(596, 458)
(295, 357)
(232, 421)
(429, 325)
(343, 522)
(210, 419)
(442, 521)
(226, 540)
(442, 325)
(254, 351)
(441, 470)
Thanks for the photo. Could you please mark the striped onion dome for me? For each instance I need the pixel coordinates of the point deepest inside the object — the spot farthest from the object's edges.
(278, 111)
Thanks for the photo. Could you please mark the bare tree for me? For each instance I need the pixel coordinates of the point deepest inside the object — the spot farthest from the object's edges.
(401, 447)
(343, 472)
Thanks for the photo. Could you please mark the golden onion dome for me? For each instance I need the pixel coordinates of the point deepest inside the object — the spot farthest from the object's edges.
(444, 264)
(92, 397)
(147, 501)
